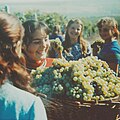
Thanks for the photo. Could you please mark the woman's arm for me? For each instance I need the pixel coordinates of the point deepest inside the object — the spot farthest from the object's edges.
(114, 66)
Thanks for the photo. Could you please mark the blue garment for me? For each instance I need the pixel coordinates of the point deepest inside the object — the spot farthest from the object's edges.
(110, 52)
(16, 104)
(56, 36)
(75, 52)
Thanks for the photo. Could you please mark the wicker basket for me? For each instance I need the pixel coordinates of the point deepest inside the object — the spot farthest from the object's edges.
(64, 109)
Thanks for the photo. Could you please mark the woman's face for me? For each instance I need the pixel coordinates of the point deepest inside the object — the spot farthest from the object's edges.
(38, 48)
(106, 33)
(74, 31)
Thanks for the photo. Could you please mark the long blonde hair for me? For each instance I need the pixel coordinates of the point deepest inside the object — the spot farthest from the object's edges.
(83, 43)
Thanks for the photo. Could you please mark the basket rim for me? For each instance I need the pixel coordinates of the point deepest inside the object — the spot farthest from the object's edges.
(80, 102)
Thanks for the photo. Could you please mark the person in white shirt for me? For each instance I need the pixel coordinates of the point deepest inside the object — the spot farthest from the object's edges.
(15, 103)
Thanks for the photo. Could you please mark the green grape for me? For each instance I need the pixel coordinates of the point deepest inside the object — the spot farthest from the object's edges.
(84, 94)
(101, 97)
(67, 84)
(60, 48)
(33, 72)
(86, 79)
(85, 98)
(73, 94)
(37, 76)
(97, 98)
(76, 88)
(56, 88)
(80, 91)
(77, 96)
(60, 87)
(75, 79)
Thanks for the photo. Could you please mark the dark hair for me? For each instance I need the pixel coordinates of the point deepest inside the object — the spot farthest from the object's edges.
(30, 26)
(56, 30)
(12, 31)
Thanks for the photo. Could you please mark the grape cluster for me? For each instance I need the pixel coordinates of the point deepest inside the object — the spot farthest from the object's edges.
(56, 44)
(86, 79)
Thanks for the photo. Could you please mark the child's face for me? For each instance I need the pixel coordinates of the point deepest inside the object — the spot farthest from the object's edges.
(106, 33)
(38, 48)
(74, 31)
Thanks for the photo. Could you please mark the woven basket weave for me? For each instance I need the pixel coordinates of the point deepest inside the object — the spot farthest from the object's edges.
(64, 109)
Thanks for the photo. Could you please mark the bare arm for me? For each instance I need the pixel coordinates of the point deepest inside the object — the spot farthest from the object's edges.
(114, 66)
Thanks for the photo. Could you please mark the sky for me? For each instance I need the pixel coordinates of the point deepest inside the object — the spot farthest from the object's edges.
(30, 0)
(70, 8)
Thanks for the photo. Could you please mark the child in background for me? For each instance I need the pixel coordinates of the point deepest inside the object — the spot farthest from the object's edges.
(110, 52)
(56, 34)
(75, 47)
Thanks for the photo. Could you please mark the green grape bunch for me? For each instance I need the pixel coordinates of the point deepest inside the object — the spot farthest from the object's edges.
(56, 44)
(88, 79)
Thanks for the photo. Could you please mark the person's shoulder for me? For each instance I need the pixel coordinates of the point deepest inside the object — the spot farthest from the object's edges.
(20, 100)
(61, 38)
(52, 36)
(115, 43)
(20, 96)
(115, 46)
